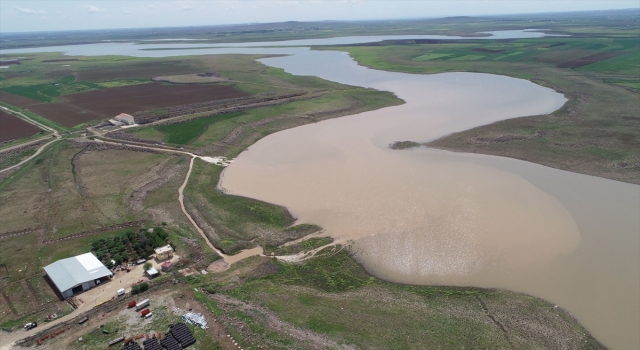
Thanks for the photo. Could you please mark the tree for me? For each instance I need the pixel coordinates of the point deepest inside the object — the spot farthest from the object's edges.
(139, 288)
(147, 266)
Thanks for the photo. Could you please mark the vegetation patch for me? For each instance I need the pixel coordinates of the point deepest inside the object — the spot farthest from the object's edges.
(404, 145)
(185, 133)
(130, 246)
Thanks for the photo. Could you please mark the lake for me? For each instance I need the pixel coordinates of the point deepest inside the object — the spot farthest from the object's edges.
(425, 216)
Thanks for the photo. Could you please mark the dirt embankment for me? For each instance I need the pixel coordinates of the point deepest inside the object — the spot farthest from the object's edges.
(164, 173)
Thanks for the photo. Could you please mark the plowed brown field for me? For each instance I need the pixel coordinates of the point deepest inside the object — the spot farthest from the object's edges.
(100, 104)
(134, 98)
(12, 128)
(16, 100)
(143, 70)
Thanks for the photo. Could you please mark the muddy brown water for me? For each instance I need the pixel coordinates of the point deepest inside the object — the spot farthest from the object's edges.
(425, 216)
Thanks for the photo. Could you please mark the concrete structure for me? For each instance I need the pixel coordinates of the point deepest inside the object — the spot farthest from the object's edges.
(164, 253)
(77, 274)
(125, 118)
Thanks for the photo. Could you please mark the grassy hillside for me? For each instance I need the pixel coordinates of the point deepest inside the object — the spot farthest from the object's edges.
(597, 132)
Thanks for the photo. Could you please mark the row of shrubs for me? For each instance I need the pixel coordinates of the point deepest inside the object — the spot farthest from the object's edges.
(139, 288)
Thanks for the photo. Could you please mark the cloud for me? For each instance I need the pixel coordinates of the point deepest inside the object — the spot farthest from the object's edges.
(93, 9)
(187, 8)
(28, 11)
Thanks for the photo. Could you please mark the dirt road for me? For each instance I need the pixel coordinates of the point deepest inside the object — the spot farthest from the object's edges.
(55, 134)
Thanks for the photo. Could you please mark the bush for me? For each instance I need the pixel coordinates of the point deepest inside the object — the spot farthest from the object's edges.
(139, 288)
(109, 264)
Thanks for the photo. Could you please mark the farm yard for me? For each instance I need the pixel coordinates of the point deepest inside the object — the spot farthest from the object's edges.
(15, 128)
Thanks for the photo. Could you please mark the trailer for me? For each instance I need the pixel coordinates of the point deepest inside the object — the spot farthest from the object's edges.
(131, 304)
(83, 320)
(116, 341)
(141, 305)
(145, 312)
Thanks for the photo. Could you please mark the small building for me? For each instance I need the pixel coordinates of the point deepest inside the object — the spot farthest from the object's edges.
(152, 273)
(166, 266)
(164, 253)
(115, 122)
(125, 118)
(77, 274)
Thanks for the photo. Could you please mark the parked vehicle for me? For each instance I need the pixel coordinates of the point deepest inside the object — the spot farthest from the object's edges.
(141, 305)
(120, 292)
(145, 312)
(30, 325)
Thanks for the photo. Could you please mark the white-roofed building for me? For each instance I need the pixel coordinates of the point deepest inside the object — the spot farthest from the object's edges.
(77, 274)
(125, 118)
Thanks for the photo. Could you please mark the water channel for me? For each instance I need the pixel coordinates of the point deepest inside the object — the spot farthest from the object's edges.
(425, 216)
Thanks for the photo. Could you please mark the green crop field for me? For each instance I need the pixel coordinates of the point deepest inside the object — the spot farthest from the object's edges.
(185, 133)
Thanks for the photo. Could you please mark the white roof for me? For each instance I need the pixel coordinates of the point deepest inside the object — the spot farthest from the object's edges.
(71, 272)
(152, 271)
(166, 248)
(125, 116)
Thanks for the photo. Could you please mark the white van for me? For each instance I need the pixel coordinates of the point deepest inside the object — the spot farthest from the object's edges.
(120, 292)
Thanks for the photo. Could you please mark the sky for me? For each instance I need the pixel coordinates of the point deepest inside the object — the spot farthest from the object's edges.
(50, 15)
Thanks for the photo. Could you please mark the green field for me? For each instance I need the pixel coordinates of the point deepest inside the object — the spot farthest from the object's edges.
(335, 299)
(185, 133)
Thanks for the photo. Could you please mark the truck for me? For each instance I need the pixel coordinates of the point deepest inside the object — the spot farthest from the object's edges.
(141, 305)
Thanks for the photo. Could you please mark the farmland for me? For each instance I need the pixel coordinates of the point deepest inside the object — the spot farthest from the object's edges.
(83, 107)
(15, 128)
(81, 196)
(227, 134)
(131, 99)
